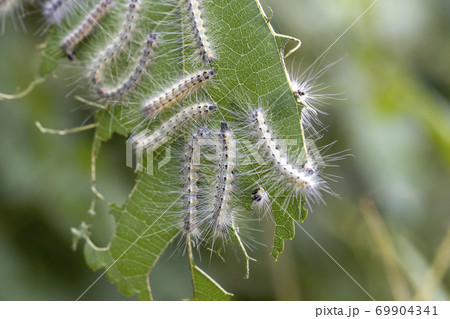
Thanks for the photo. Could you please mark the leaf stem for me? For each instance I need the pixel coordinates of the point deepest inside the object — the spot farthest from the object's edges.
(65, 131)
(247, 257)
(87, 102)
(23, 93)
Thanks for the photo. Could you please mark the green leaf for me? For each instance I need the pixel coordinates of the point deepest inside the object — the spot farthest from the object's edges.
(285, 229)
(250, 71)
(50, 55)
(205, 288)
(304, 211)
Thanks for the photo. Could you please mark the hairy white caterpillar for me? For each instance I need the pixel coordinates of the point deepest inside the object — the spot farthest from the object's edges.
(191, 221)
(151, 142)
(177, 92)
(55, 11)
(85, 28)
(303, 179)
(204, 46)
(309, 92)
(261, 202)
(7, 8)
(118, 44)
(135, 75)
(222, 215)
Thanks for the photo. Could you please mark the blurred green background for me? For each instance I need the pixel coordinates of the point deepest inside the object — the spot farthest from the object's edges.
(389, 229)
